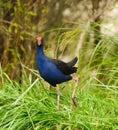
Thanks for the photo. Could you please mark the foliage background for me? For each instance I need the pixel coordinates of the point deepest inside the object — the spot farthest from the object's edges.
(63, 24)
(85, 28)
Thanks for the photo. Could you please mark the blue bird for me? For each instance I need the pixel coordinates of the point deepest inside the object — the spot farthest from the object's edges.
(52, 70)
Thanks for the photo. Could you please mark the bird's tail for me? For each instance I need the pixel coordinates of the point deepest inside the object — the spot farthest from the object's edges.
(72, 62)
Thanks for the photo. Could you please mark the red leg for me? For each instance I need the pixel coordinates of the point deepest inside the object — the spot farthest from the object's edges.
(58, 98)
(74, 91)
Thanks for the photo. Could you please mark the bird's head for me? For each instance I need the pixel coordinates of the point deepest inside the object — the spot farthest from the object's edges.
(39, 41)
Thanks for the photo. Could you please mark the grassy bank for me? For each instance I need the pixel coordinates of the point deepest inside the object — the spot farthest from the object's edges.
(30, 105)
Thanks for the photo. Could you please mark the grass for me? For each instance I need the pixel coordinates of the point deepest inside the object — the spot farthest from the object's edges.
(97, 108)
(32, 106)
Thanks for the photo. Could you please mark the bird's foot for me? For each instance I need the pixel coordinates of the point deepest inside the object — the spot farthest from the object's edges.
(74, 101)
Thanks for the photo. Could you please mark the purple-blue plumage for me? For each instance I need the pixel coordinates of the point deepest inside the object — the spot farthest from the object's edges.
(51, 70)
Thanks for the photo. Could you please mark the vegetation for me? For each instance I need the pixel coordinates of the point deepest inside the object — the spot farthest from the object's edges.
(31, 105)
(26, 102)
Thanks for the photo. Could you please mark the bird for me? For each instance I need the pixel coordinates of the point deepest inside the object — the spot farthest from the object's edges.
(54, 71)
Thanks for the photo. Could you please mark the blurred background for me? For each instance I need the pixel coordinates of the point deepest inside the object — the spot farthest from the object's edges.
(69, 28)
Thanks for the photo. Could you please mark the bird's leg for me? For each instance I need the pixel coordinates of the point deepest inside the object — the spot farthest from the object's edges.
(58, 98)
(74, 91)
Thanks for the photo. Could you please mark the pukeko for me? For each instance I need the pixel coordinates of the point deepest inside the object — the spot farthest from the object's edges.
(54, 71)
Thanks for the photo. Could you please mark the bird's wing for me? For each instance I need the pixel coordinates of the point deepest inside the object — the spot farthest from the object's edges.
(64, 67)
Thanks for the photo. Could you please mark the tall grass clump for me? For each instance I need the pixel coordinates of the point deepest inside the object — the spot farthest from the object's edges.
(30, 105)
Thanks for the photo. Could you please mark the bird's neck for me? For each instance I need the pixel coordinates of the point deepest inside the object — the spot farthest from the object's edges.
(40, 57)
(40, 52)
